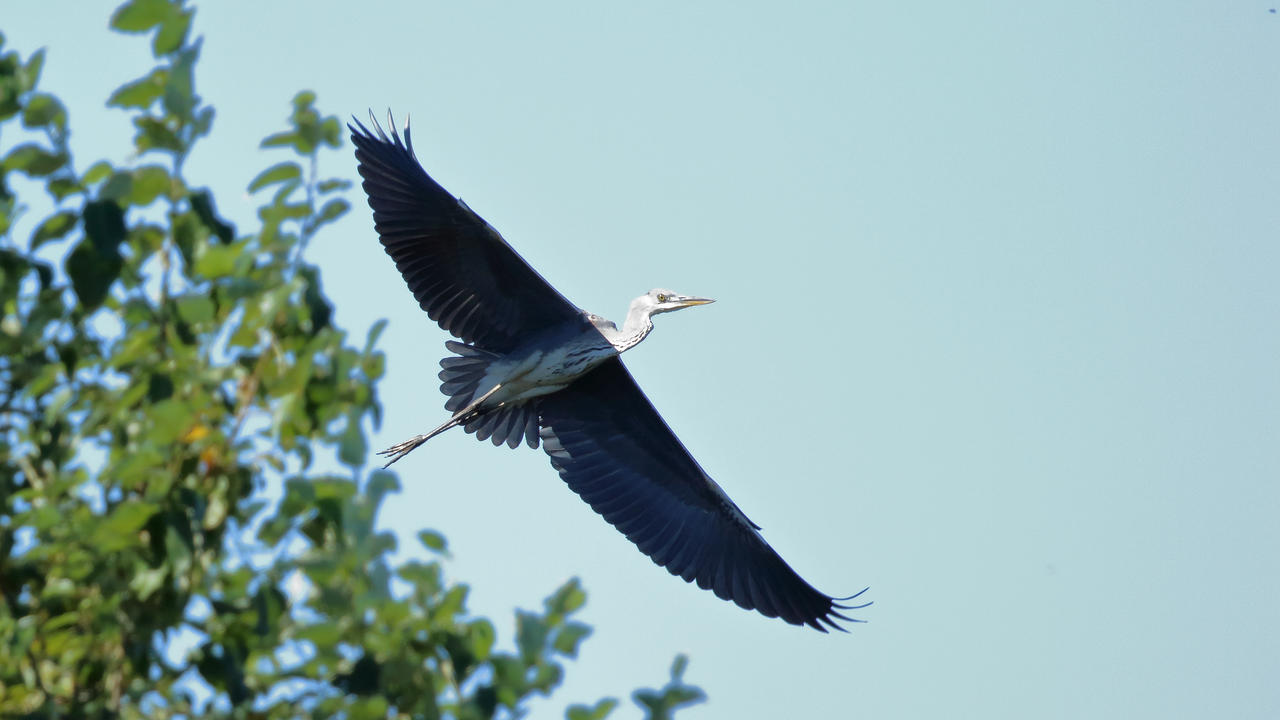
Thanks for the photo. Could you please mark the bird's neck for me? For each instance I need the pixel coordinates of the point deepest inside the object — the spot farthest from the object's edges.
(637, 326)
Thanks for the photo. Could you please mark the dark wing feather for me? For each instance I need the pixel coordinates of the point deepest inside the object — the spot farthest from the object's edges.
(464, 275)
(613, 449)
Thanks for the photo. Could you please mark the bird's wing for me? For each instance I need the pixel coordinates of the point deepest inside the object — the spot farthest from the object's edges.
(464, 275)
(613, 449)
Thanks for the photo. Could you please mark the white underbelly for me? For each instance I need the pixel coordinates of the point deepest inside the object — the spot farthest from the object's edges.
(540, 373)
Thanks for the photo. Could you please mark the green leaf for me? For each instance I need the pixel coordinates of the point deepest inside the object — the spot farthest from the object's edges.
(57, 588)
(433, 540)
(178, 544)
(331, 132)
(569, 637)
(202, 204)
(136, 344)
(172, 33)
(323, 635)
(353, 448)
(328, 186)
(34, 160)
(279, 172)
(280, 139)
(676, 694)
(179, 92)
(375, 331)
(215, 513)
(149, 182)
(368, 708)
(269, 604)
(531, 635)
(280, 197)
(189, 236)
(97, 172)
(380, 483)
(118, 188)
(566, 599)
(450, 606)
(140, 15)
(153, 134)
(146, 581)
(425, 577)
(30, 75)
(480, 639)
(104, 225)
(202, 121)
(333, 488)
(159, 387)
(141, 92)
(332, 210)
(43, 109)
(303, 100)
(120, 528)
(195, 309)
(44, 380)
(546, 677)
(599, 711)
(170, 420)
(216, 261)
(55, 226)
(92, 272)
(62, 186)
(318, 306)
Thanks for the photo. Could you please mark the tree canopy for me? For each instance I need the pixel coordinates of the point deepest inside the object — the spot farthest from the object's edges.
(160, 370)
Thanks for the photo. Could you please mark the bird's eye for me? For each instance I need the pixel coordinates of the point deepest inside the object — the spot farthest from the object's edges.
(662, 298)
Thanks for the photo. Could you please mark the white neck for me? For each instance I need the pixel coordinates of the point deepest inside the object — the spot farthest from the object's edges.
(638, 325)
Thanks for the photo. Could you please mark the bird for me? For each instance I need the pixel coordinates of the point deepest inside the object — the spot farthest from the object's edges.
(528, 366)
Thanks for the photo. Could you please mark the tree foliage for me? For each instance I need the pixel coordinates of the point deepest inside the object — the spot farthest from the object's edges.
(159, 370)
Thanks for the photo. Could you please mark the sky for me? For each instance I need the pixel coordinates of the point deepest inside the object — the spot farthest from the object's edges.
(996, 330)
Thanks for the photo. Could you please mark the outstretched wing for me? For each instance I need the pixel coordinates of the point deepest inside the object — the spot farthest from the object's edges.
(613, 449)
(464, 275)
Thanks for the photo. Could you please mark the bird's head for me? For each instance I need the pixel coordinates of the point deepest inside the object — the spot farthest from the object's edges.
(659, 301)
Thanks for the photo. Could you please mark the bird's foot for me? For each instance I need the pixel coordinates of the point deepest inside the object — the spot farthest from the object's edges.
(395, 452)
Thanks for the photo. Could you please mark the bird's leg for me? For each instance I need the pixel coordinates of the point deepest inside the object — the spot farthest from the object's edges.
(395, 452)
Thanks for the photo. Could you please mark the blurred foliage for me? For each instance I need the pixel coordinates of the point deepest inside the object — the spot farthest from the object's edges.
(158, 369)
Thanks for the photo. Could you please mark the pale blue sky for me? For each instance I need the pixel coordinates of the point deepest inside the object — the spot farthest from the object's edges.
(997, 330)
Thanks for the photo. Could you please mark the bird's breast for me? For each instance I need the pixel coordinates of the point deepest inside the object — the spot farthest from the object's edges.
(569, 361)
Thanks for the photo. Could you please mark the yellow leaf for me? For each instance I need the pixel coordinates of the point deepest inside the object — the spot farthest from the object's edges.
(196, 433)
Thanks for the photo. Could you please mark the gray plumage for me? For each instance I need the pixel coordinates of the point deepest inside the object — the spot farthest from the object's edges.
(534, 368)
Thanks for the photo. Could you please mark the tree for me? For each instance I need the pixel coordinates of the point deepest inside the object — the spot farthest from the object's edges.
(158, 369)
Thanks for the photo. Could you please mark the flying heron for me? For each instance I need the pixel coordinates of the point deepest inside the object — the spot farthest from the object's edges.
(533, 367)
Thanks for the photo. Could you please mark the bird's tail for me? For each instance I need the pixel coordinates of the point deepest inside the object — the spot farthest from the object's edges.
(460, 375)
(461, 379)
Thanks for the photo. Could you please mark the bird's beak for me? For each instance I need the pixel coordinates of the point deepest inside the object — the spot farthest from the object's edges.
(692, 301)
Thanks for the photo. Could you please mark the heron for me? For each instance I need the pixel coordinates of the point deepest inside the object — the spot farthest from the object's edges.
(528, 366)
